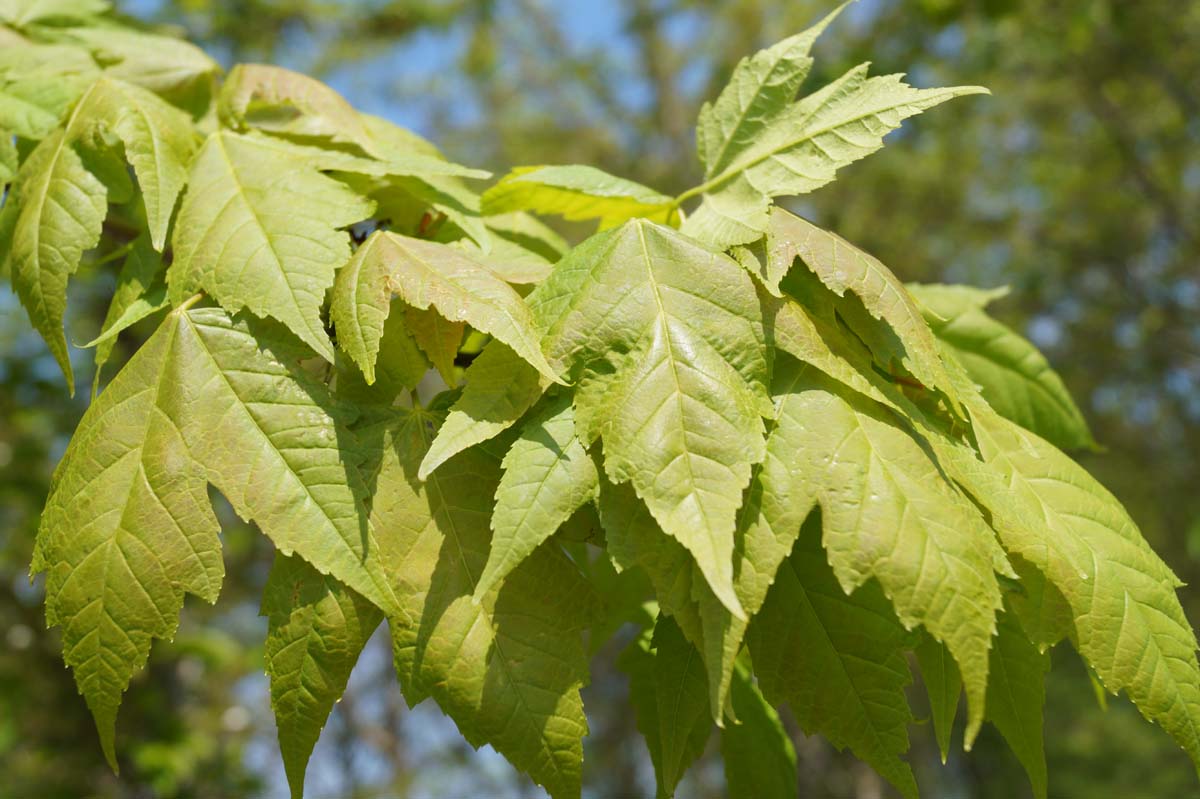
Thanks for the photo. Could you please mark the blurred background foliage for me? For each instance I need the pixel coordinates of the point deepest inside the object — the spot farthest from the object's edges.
(1077, 184)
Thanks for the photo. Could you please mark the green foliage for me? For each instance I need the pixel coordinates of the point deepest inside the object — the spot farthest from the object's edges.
(808, 468)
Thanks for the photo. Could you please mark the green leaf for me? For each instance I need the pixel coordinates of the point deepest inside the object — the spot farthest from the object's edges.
(760, 760)
(508, 669)
(1014, 378)
(670, 697)
(679, 405)
(836, 658)
(1124, 616)
(400, 366)
(316, 628)
(175, 69)
(23, 13)
(141, 291)
(500, 387)
(127, 529)
(38, 83)
(759, 87)
(56, 209)
(889, 513)
(242, 381)
(1016, 695)
(548, 475)
(943, 684)
(578, 193)
(10, 159)
(259, 229)
(843, 267)
(278, 100)
(795, 147)
(158, 140)
(427, 274)
(634, 540)
(438, 338)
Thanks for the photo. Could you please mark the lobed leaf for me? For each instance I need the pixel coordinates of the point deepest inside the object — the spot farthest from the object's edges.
(259, 229)
(316, 629)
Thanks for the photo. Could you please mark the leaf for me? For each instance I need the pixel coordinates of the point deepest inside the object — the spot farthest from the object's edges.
(38, 84)
(400, 366)
(509, 669)
(759, 758)
(679, 407)
(1124, 617)
(795, 147)
(425, 275)
(577, 192)
(128, 526)
(437, 337)
(140, 292)
(837, 658)
(1016, 695)
(943, 683)
(843, 267)
(172, 68)
(10, 159)
(1013, 376)
(500, 387)
(241, 381)
(23, 13)
(158, 139)
(889, 513)
(759, 87)
(127, 529)
(259, 229)
(56, 210)
(669, 694)
(316, 629)
(278, 100)
(548, 475)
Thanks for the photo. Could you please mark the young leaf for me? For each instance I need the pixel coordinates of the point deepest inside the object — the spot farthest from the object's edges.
(508, 669)
(259, 229)
(500, 387)
(889, 513)
(427, 274)
(577, 192)
(157, 137)
(548, 475)
(1016, 695)
(1014, 378)
(837, 659)
(759, 757)
(56, 209)
(943, 684)
(316, 628)
(761, 85)
(126, 531)
(681, 413)
(798, 147)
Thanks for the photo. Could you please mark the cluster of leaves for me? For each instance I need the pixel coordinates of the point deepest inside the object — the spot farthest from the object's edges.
(728, 430)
